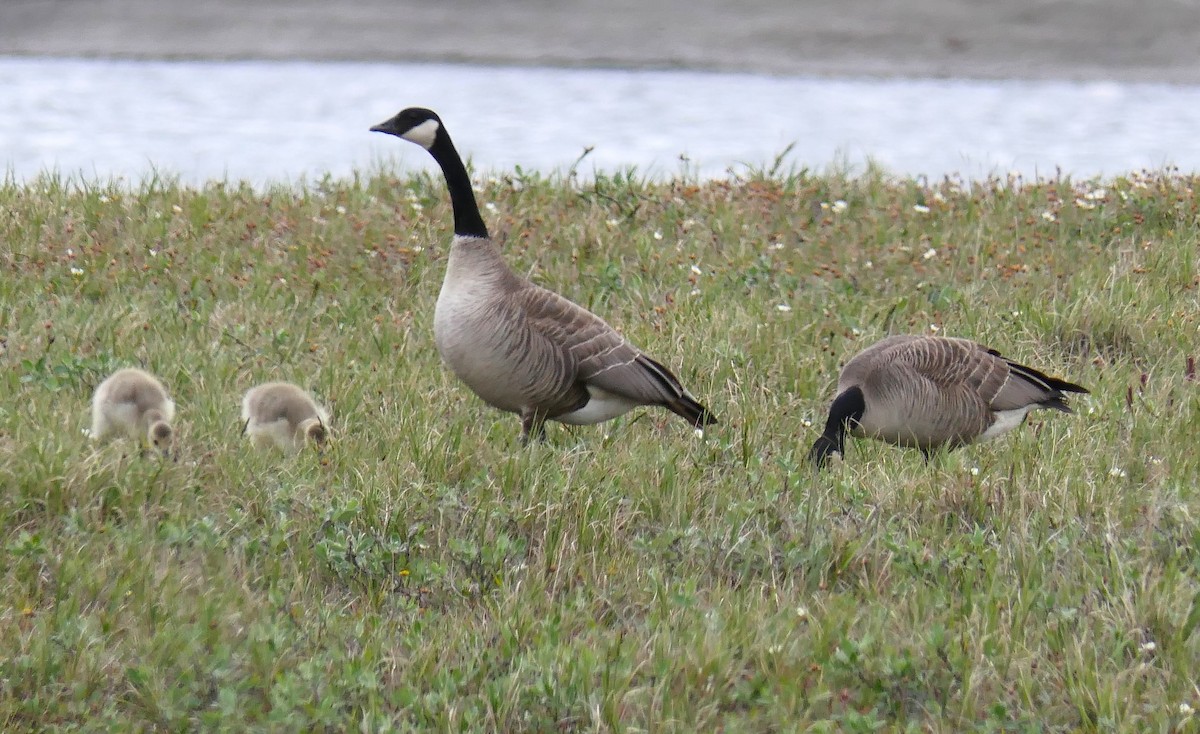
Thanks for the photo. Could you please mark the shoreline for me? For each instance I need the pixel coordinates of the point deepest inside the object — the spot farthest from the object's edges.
(1065, 40)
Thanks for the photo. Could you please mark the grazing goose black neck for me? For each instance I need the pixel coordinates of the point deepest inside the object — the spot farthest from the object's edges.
(467, 220)
(847, 407)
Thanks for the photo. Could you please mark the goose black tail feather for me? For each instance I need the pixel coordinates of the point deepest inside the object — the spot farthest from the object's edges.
(1056, 404)
(682, 404)
(1041, 378)
(691, 411)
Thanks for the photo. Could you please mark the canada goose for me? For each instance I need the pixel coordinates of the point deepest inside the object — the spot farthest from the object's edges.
(135, 403)
(520, 347)
(283, 414)
(930, 392)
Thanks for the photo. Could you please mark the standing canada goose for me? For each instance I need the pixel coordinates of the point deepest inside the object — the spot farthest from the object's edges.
(929, 391)
(520, 347)
(283, 414)
(135, 403)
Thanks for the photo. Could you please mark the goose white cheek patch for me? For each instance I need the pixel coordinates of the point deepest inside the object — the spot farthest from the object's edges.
(423, 134)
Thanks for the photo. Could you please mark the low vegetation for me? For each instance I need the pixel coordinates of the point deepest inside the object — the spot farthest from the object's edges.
(427, 573)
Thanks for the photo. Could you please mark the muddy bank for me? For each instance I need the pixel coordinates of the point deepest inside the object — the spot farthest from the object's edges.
(1158, 40)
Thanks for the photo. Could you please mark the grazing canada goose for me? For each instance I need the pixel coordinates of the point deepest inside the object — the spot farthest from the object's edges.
(283, 414)
(133, 402)
(520, 347)
(930, 392)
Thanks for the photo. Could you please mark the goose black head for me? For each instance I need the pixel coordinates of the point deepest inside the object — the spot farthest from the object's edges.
(415, 124)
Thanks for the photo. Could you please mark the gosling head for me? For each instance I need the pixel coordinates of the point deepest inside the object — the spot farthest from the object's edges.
(415, 124)
(161, 436)
(314, 430)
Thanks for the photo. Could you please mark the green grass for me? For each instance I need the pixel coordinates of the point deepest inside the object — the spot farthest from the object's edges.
(427, 573)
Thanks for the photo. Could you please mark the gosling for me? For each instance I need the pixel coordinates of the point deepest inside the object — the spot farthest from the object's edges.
(134, 403)
(284, 415)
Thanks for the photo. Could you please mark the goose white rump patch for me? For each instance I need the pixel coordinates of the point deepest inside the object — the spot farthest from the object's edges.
(1006, 420)
(603, 406)
(423, 134)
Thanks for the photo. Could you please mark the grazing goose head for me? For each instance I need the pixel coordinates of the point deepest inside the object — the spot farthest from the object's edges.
(934, 392)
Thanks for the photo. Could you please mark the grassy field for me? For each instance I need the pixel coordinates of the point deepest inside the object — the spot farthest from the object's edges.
(427, 573)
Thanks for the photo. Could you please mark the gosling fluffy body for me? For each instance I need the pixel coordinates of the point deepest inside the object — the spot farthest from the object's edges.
(934, 392)
(134, 403)
(283, 415)
(522, 348)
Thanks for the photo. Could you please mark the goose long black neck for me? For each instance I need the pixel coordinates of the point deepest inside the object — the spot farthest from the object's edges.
(468, 222)
(847, 408)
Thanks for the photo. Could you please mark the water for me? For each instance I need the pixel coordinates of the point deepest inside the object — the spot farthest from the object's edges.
(283, 121)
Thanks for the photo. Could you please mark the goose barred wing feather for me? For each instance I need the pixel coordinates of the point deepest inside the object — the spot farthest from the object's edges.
(597, 353)
(954, 364)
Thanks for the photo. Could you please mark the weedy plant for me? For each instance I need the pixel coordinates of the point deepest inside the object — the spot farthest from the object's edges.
(427, 573)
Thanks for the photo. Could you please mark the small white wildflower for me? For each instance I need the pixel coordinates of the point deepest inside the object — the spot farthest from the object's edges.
(1117, 472)
(783, 307)
(775, 246)
(920, 208)
(930, 254)
(1149, 646)
(938, 196)
(70, 252)
(417, 248)
(698, 433)
(802, 613)
(855, 331)
(658, 234)
(103, 199)
(695, 292)
(1084, 204)
(806, 423)
(77, 272)
(774, 649)
(417, 206)
(1096, 195)
(340, 209)
(825, 205)
(612, 222)
(868, 265)
(935, 328)
(696, 270)
(490, 206)
(839, 206)
(1049, 216)
(1185, 709)
(1015, 314)
(974, 471)
(153, 252)
(177, 209)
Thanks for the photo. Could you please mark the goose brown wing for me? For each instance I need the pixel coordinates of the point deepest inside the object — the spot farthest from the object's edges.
(595, 352)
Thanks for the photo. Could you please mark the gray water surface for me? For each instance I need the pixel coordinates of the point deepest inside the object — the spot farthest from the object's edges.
(283, 121)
